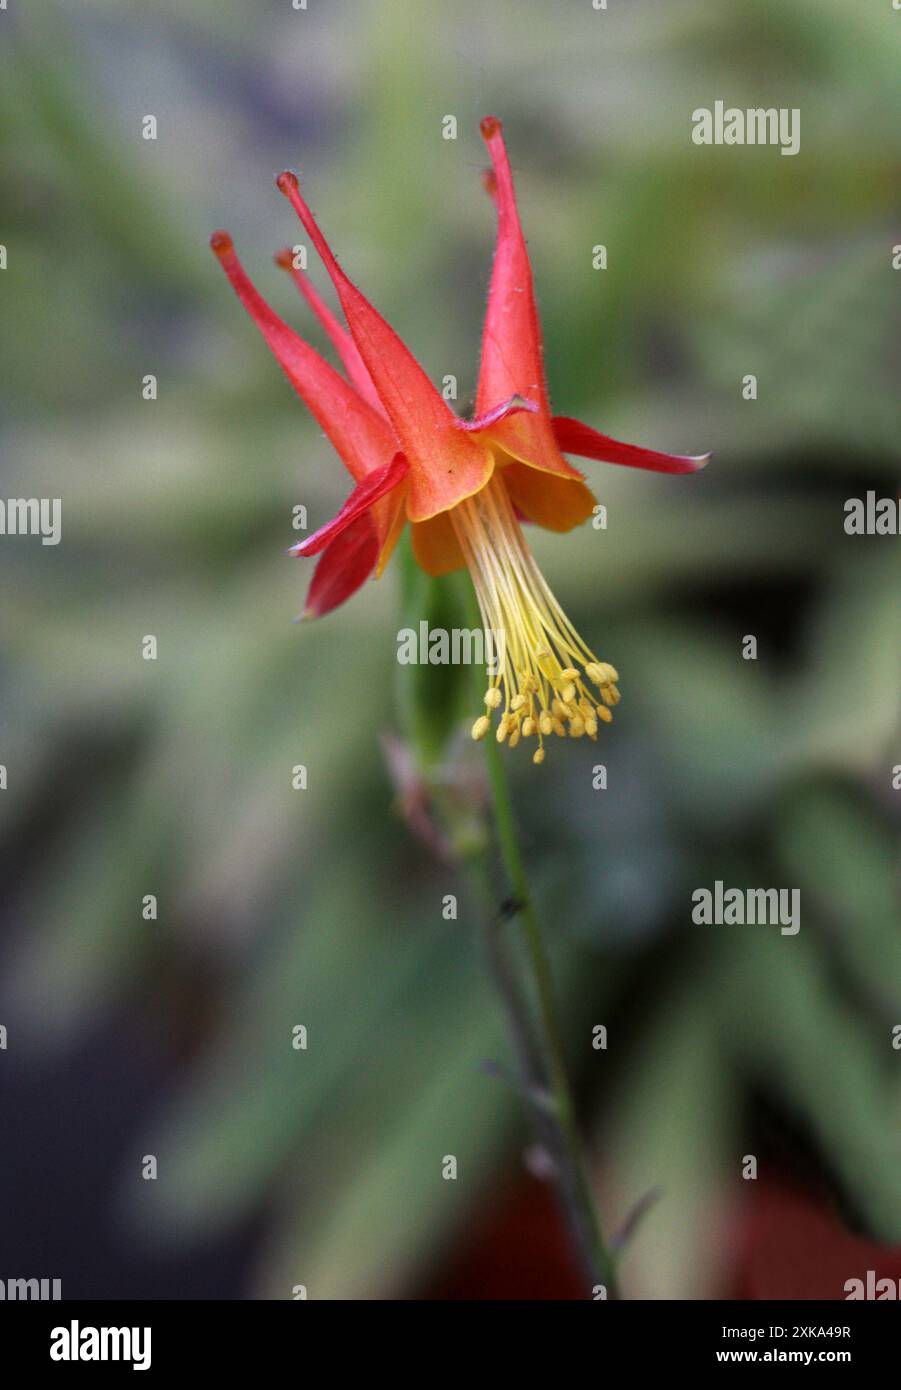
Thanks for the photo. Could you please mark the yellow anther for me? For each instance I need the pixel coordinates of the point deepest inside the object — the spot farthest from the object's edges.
(545, 671)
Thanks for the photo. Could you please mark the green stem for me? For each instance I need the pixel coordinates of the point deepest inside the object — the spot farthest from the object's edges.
(538, 1040)
(575, 1186)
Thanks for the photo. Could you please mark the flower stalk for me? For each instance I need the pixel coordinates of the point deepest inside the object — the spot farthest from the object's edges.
(558, 1115)
(536, 1034)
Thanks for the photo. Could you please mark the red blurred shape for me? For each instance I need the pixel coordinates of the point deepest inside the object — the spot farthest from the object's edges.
(794, 1246)
(518, 1249)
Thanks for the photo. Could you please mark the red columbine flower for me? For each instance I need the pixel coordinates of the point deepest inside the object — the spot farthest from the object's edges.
(462, 484)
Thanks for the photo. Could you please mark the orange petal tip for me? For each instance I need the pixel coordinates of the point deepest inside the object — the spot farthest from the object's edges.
(490, 126)
(287, 182)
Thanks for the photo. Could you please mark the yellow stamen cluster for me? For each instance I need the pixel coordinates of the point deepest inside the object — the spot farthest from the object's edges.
(541, 686)
(565, 706)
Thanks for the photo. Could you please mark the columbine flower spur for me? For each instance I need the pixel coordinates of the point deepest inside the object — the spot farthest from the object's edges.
(463, 485)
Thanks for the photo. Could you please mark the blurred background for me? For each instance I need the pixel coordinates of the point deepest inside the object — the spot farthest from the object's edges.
(172, 1036)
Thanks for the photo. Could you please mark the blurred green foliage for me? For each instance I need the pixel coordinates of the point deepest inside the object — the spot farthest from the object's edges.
(277, 907)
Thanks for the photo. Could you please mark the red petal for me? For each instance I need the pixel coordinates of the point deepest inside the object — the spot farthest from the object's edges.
(500, 412)
(346, 564)
(445, 464)
(362, 437)
(575, 438)
(511, 342)
(342, 342)
(373, 486)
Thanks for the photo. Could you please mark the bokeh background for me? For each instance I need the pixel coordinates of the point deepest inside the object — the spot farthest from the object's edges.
(172, 1037)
